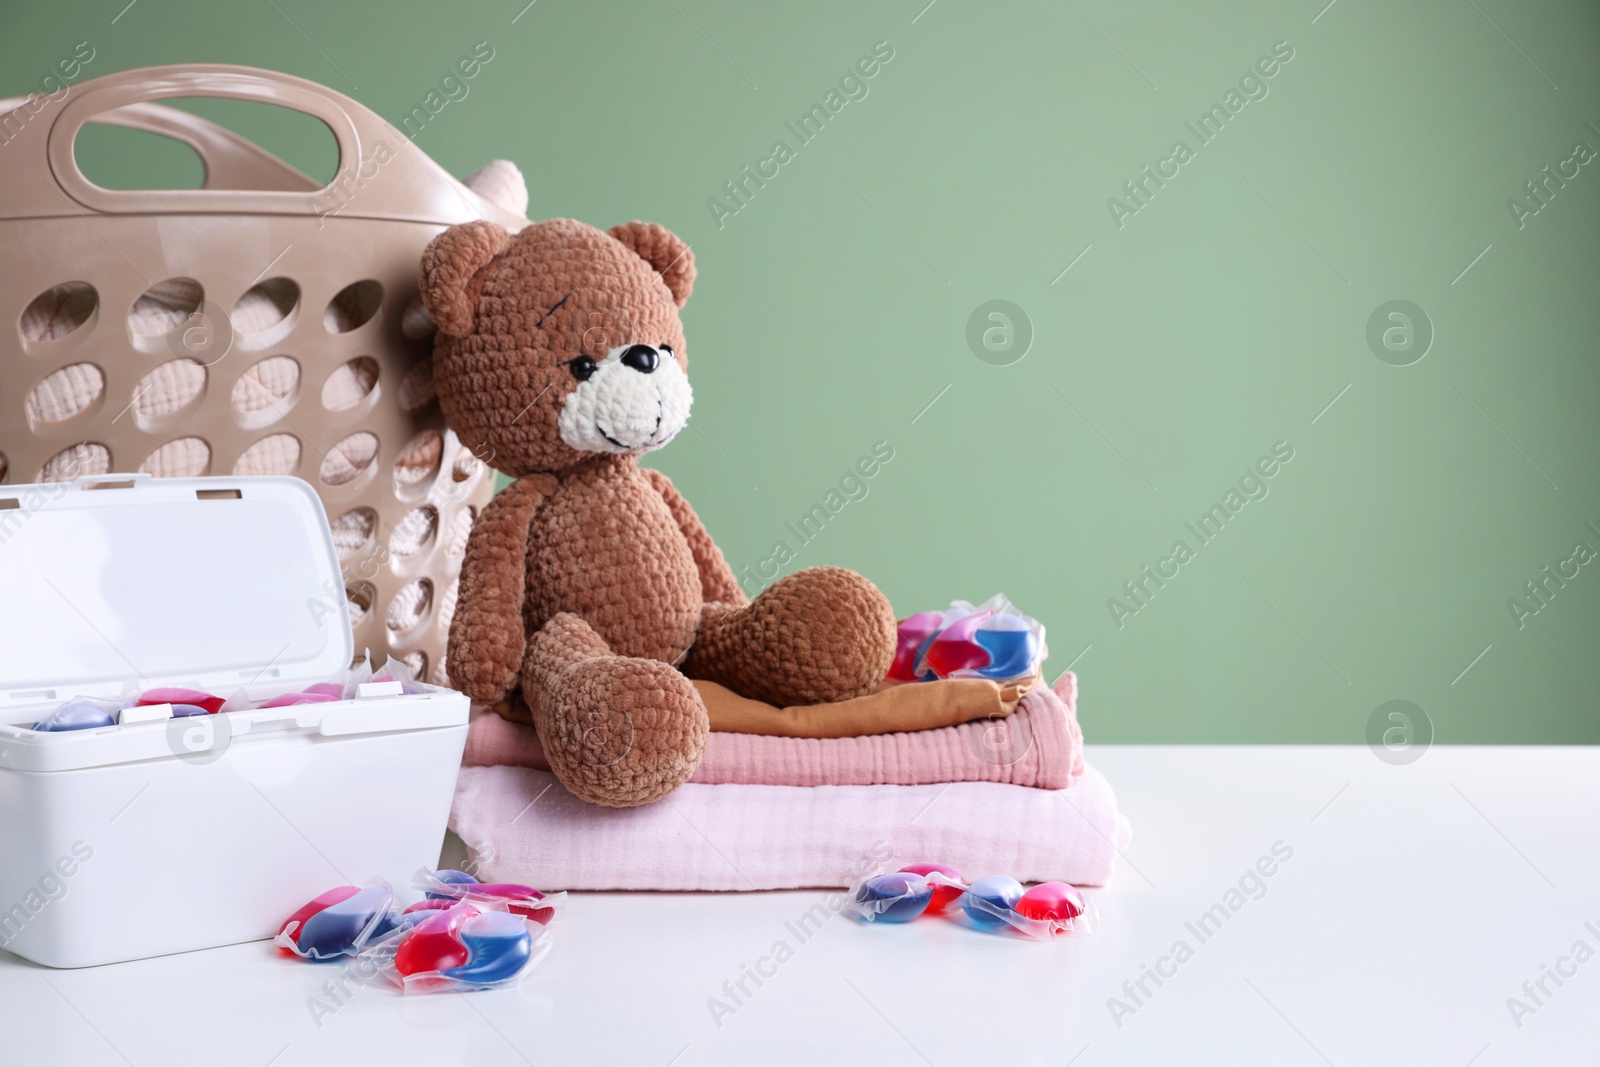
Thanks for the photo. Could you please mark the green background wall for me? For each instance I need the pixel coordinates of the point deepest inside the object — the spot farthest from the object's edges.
(1222, 318)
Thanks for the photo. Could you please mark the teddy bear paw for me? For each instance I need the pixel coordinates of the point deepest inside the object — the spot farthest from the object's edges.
(620, 731)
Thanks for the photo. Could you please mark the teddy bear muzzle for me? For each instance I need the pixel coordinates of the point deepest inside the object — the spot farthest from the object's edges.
(633, 401)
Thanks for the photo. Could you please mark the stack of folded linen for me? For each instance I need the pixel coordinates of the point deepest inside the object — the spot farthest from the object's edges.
(1005, 795)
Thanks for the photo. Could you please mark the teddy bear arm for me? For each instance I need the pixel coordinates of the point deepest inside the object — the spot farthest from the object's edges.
(717, 582)
(487, 635)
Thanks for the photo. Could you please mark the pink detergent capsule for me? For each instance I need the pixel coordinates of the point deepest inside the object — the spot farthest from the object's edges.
(943, 895)
(330, 689)
(1051, 902)
(956, 648)
(521, 900)
(289, 700)
(910, 635)
(179, 695)
(435, 943)
(431, 904)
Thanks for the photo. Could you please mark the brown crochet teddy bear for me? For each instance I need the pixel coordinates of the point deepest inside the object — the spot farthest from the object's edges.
(589, 581)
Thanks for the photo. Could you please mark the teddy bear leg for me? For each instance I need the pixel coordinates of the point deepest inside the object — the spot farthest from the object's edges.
(816, 636)
(617, 730)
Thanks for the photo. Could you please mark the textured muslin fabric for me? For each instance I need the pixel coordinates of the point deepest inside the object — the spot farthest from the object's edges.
(1040, 745)
(520, 825)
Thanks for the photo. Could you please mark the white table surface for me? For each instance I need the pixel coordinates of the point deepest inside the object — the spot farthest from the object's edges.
(1417, 901)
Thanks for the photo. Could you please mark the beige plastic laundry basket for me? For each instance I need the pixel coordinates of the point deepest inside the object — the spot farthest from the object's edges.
(262, 324)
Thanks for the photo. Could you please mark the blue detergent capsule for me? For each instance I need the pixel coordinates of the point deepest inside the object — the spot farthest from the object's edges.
(76, 715)
(182, 710)
(498, 948)
(894, 898)
(988, 899)
(450, 876)
(1012, 647)
(343, 928)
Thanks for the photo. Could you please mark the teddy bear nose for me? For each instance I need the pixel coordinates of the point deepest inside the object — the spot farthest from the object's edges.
(641, 358)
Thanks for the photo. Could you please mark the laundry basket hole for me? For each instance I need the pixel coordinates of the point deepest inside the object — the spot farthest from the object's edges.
(277, 454)
(265, 393)
(410, 605)
(84, 459)
(361, 596)
(266, 313)
(416, 388)
(465, 469)
(66, 393)
(415, 322)
(353, 307)
(350, 459)
(168, 393)
(351, 384)
(352, 531)
(186, 457)
(447, 604)
(461, 530)
(418, 463)
(58, 311)
(417, 662)
(164, 308)
(414, 532)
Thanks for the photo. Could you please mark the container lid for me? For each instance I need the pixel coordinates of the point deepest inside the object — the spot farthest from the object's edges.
(224, 583)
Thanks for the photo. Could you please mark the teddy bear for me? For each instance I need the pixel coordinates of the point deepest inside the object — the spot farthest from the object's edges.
(589, 586)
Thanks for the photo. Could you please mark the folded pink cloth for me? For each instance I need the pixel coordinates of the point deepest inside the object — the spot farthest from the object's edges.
(1039, 745)
(520, 825)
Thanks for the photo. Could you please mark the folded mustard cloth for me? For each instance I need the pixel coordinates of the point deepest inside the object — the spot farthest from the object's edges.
(896, 707)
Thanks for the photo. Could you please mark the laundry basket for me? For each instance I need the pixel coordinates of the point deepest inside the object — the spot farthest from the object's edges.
(261, 324)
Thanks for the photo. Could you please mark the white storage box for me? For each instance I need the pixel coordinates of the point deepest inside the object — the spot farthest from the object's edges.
(136, 840)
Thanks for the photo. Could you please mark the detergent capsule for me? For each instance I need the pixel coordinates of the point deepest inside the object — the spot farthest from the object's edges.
(178, 696)
(910, 636)
(989, 901)
(80, 714)
(1010, 645)
(498, 948)
(893, 898)
(1054, 902)
(435, 943)
(943, 895)
(339, 927)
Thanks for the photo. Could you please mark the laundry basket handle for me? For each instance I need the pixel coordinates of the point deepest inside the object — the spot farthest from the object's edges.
(230, 161)
(411, 186)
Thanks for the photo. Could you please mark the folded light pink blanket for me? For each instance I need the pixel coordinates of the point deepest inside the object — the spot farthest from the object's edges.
(520, 825)
(1038, 745)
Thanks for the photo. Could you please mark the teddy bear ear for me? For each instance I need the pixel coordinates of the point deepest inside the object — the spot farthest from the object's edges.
(449, 275)
(663, 250)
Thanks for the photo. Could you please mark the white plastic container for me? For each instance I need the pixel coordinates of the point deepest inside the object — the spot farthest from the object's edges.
(137, 840)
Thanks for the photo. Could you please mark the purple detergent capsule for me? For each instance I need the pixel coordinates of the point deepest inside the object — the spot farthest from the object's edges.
(76, 715)
(894, 898)
(181, 710)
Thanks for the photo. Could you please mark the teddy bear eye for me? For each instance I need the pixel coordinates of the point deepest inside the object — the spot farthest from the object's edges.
(582, 368)
(667, 349)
